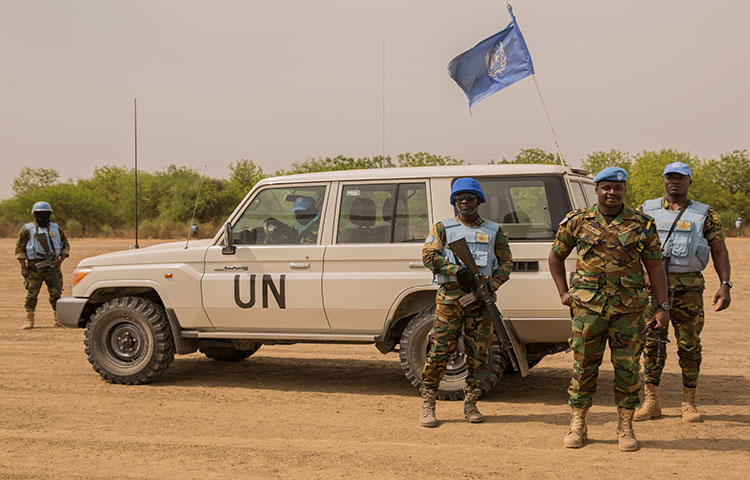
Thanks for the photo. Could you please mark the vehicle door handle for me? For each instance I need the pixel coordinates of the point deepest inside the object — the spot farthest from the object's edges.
(416, 265)
(300, 264)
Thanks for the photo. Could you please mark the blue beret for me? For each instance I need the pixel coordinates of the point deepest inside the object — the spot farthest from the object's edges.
(611, 174)
(677, 167)
(303, 203)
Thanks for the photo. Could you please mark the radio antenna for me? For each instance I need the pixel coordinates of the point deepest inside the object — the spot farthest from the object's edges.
(135, 150)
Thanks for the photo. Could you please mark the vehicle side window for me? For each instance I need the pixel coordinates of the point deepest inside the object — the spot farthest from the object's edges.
(576, 189)
(588, 190)
(282, 215)
(527, 208)
(383, 213)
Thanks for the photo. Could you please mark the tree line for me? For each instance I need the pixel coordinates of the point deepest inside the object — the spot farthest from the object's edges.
(104, 204)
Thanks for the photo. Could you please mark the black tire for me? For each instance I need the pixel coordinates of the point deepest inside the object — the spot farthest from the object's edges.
(413, 352)
(228, 353)
(128, 341)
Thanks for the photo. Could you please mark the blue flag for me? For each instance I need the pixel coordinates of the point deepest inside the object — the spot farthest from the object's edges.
(493, 64)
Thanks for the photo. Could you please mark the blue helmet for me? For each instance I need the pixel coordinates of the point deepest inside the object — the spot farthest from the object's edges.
(467, 184)
(41, 207)
(303, 203)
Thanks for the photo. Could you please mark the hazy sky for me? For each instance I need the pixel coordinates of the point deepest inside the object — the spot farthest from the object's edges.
(280, 81)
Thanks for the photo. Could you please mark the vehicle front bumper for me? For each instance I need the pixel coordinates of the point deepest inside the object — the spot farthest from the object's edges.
(69, 311)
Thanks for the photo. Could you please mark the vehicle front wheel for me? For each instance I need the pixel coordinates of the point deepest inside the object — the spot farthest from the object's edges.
(128, 341)
(415, 343)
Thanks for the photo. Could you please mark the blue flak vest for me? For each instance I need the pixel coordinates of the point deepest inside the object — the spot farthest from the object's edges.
(481, 242)
(687, 248)
(34, 249)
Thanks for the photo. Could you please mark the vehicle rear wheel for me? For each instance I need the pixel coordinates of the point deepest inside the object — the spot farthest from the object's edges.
(227, 353)
(128, 341)
(415, 343)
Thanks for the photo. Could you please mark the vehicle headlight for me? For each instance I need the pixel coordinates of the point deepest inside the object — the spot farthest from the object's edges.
(79, 273)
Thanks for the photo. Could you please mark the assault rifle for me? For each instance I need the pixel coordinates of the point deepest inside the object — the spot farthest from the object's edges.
(481, 290)
(49, 258)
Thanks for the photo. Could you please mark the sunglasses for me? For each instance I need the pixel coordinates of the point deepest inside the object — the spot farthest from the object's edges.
(467, 197)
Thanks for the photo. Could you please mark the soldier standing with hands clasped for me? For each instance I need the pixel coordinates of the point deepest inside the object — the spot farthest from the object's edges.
(689, 231)
(490, 249)
(41, 249)
(607, 298)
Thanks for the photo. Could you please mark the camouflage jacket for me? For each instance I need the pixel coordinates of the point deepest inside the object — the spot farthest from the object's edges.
(433, 259)
(609, 269)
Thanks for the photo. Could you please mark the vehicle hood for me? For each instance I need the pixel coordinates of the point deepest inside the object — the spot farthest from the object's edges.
(172, 252)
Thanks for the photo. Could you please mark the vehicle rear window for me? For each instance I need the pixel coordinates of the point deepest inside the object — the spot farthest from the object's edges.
(383, 213)
(527, 208)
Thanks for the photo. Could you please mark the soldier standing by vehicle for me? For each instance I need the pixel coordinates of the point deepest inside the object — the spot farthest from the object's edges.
(608, 298)
(491, 252)
(41, 249)
(689, 230)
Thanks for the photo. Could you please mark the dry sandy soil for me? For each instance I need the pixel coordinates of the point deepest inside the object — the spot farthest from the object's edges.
(318, 411)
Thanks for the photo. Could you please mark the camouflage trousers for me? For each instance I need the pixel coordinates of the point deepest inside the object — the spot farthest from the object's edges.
(687, 320)
(33, 283)
(450, 322)
(590, 333)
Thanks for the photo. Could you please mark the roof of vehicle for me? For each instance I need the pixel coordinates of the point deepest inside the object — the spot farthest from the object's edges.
(424, 172)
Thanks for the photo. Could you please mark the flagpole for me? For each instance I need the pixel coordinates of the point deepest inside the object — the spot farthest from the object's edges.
(549, 122)
(544, 107)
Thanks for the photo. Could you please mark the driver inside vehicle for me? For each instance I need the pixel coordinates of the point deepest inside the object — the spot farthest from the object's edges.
(308, 219)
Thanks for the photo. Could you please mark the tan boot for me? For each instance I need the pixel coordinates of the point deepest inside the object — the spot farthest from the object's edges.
(54, 312)
(625, 435)
(577, 432)
(690, 413)
(650, 407)
(427, 417)
(29, 321)
(471, 412)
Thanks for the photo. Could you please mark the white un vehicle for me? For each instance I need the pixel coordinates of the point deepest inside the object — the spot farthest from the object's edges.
(350, 271)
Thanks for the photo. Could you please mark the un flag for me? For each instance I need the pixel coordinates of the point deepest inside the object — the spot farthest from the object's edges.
(493, 64)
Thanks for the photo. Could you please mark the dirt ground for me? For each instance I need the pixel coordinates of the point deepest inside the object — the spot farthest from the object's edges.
(314, 411)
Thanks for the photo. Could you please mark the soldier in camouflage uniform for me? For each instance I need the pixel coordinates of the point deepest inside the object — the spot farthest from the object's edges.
(607, 297)
(30, 252)
(491, 251)
(697, 231)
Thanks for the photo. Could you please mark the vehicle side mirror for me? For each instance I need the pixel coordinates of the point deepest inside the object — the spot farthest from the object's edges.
(229, 248)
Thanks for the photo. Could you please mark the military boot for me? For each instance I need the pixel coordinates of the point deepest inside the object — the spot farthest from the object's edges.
(577, 432)
(471, 412)
(690, 413)
(650, 407)
(54, 312)
(29, 321)
(427, 418)
(625, 435)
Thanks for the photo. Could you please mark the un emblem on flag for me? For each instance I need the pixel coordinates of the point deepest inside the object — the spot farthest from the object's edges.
(496, 61)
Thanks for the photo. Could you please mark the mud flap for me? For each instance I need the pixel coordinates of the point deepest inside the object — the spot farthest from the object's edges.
(518, 348)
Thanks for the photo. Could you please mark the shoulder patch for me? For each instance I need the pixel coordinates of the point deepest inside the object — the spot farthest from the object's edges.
(430, 239)
(572, 215)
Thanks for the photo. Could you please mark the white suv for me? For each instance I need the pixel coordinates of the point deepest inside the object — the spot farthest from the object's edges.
(355, 274)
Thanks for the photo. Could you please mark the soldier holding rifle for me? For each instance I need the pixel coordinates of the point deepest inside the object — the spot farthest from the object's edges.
(41, 249)
(607, 297)
(491, 252)
(689, 231)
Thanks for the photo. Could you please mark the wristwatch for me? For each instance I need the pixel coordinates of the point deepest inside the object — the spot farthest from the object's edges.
(728, 283)
(665, 306)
